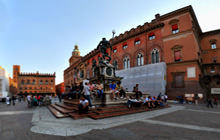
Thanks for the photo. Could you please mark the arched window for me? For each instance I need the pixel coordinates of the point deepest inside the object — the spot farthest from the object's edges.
(155, 56)
(115, 63)
(126, 63)
(140, 60)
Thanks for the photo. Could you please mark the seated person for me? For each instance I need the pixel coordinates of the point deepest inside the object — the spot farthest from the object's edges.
(78, 91)
(154, 100)
(160, 102)
(91, 87)
(147, 102)
(138, 93)
(99, 88)
(83, 105)
(133, 102)
(113, 89)
(121, 90)
(151, 102)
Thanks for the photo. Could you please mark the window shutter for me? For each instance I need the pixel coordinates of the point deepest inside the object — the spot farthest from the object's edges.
(177, 55)
(174, 27)
(151, 34)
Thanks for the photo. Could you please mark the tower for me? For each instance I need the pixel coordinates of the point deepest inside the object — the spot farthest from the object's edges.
(76, 51)
(75, 55)
(16, 71)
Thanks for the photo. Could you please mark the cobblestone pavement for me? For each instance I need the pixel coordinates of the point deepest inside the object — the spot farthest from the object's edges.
(180, 122)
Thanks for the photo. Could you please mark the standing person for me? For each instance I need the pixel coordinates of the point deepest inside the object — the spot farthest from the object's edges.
(209, 102)
(29, 100)
(86, 90)
(215, 101)
(13, 99)
(8, 100)
(196, 98)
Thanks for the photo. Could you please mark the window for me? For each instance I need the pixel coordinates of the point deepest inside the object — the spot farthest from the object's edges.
(214, 59)
(191, 72)
(140, 60)
(137, 41)
(114, 50)
(81, 74)
(22, 82)
(28, 81)
(126, 63)
(125, 45)
(178, 80)
(155, 57)
(175, 29)
(33, 82)
(177, 56)
(212, 69)
(41, 82)
(115, 63)
(213, 45)
(46, 82)
(151, 36)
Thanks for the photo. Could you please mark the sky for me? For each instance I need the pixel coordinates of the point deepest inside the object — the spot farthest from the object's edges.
(39, 35)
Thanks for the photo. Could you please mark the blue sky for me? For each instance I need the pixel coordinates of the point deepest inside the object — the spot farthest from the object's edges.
(40, 35)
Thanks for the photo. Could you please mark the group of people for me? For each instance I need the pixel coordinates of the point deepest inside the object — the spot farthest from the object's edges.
(97, 90)
(10, 99)
(38, 100)
(211, 100)
(117, 90)
(150, 102)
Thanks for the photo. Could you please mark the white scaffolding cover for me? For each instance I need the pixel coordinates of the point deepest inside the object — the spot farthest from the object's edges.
(151, 78)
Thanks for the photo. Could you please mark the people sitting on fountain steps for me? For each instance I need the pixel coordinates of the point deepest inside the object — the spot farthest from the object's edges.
(138, 93)
(92, 88)
(86, 91)
(113, 89)
(147, 102)
(132, 102)
(83, 105)
(99, 88)
(121, 90)
(160, 102)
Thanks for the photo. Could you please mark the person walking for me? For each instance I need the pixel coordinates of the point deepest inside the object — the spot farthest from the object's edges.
(196, 98)
(215, 101)
(209, 102)
(13, 99)
(8, 100)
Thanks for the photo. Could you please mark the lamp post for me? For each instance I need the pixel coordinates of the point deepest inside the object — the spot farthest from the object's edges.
(113, 33)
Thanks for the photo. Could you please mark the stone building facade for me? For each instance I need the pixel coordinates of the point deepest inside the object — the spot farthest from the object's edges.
(174, 38)
(34, 83)
(4, 83)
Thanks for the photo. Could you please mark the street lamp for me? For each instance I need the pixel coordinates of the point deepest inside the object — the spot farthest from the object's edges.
(113, 33)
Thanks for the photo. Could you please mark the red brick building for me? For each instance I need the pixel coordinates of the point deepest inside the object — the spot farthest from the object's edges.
(33, 83)
(60, 88)
(174, 38)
